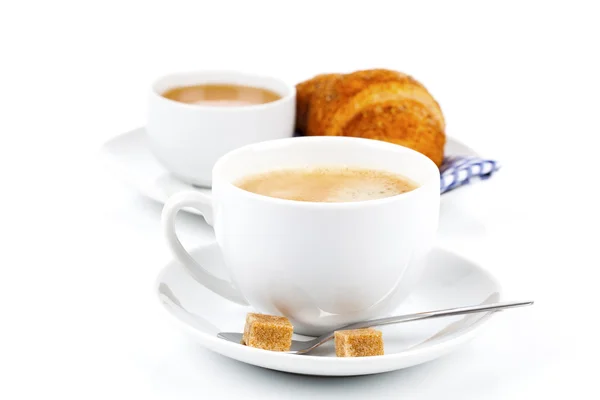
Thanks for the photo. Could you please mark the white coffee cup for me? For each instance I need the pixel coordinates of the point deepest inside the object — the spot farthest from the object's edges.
(322, 265)
(189, 138)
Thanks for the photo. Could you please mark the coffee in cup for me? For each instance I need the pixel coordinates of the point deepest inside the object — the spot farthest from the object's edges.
(221, 95)
(331, 184)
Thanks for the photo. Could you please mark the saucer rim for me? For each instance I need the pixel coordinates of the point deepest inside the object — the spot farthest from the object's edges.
(422, 353)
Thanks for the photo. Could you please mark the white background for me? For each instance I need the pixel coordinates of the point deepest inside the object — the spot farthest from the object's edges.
(518, 81)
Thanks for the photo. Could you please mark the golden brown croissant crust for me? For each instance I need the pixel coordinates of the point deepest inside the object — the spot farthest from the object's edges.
(304, 92)
(376, 104)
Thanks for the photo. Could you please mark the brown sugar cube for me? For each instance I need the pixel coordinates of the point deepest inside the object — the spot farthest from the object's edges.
(268, 332)
(358, 343)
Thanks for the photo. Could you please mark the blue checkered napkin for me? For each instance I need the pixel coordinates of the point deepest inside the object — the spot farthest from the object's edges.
(460, 170)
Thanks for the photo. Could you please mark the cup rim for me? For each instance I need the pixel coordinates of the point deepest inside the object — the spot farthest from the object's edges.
(288, 96)
(326, 205)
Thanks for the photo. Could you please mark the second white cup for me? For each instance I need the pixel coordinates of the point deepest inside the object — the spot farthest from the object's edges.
(189, 138)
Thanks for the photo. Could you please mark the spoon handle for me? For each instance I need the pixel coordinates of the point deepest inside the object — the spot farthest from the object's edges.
(436, 314)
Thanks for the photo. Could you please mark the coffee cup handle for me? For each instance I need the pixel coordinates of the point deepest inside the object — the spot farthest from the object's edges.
(202, 203)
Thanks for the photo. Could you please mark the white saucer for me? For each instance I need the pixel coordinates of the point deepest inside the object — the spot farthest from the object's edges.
(449, 281)
(132, 160)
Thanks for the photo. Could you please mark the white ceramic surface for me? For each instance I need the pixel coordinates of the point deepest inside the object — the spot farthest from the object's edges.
(448, 281)
(189, 138)
(129, 156)
(322, 265)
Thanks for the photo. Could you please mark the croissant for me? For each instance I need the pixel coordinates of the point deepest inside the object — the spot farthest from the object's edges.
(304, 92)
(376, 104)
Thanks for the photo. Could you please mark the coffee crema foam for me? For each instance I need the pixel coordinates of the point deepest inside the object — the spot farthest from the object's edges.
(218, 95)
(327, 184)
